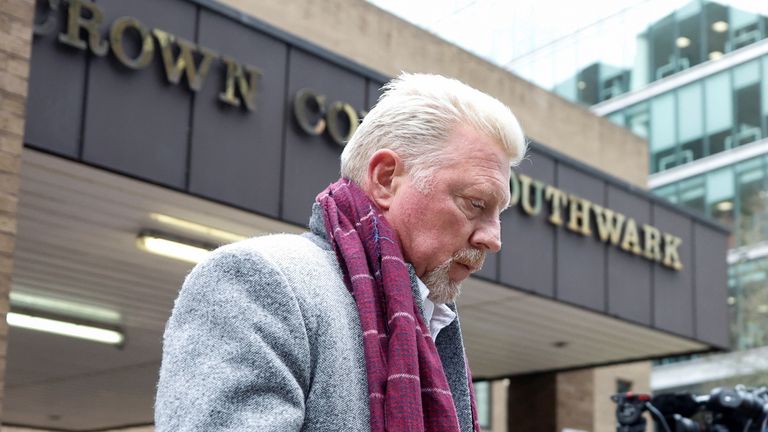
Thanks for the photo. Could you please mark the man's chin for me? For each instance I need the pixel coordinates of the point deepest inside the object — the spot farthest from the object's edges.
(446, 293)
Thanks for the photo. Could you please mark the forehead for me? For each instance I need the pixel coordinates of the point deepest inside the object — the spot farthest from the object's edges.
(479, 162)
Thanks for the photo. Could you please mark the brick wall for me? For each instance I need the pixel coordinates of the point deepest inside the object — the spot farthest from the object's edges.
(16, 20)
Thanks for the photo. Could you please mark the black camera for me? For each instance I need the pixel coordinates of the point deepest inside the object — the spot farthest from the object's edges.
(737, 409)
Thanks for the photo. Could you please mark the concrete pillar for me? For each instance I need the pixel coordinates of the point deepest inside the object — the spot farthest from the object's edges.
(532, 405)
(575, 400)
(16, 21)
(499, 401)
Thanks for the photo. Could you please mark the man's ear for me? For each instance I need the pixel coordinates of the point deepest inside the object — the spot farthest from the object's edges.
(384, 170)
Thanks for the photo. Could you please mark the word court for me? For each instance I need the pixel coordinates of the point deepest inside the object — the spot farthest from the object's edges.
(82, 30)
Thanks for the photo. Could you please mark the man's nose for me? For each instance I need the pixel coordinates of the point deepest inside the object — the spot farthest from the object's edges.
(487, 237)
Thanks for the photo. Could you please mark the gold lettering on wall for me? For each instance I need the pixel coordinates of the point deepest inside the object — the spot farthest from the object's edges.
(82, 30)
(579, 216)
(336, 128)
(185, 62)
(242, 81)
(314, 116)
(631, 242)
(525, 185)
(671, 256)
(582, 215)
(76, 21)
(652, 243)
(309, 111)
(514, 188)
(557, 202)
(609, 224)
(48, 23)
(117, 34)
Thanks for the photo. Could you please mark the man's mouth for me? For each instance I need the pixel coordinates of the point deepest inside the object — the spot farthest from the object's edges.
(471, 267)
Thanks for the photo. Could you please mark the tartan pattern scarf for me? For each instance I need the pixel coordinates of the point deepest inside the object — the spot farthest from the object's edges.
(408, 389)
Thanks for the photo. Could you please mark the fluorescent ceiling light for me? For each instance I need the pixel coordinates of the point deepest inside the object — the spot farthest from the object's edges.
(196, 227)
(720, 26)
(172, 248)
(714, 55)
(63, 307)
(64, 328)
(683, 42)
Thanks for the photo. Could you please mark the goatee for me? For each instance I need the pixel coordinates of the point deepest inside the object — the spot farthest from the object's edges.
(441, 288)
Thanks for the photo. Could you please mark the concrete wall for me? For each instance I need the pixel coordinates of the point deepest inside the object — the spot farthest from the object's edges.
(639, 374)
(16, 18)
(383, 42)
(575, 400)
(499, 402)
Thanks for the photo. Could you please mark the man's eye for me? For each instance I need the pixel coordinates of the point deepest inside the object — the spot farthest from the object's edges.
(477, 204)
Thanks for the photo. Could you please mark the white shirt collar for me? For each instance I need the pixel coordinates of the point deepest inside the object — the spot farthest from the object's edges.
(438, 316)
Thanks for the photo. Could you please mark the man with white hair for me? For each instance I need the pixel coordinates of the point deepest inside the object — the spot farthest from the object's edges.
(352, 327)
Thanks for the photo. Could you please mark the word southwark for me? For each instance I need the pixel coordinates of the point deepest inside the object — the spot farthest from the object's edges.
(180, 57)
(580, 215)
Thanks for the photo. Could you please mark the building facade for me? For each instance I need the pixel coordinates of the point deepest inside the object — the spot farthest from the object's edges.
(142, 134)
(692, 79)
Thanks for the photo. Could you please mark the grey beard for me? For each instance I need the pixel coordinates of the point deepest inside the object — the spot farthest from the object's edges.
(441, 288)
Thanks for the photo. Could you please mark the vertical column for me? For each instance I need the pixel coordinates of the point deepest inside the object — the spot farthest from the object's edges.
(16, 20)
(575, 400)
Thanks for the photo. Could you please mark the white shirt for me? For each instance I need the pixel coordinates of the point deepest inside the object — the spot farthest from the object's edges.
(437, 316)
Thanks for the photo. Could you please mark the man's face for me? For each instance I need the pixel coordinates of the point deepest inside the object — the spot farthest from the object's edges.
(446, 230)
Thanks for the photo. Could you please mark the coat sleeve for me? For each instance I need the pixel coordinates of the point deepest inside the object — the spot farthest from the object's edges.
(235, 351)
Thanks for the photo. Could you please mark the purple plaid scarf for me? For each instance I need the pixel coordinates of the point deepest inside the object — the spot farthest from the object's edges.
(408, 390)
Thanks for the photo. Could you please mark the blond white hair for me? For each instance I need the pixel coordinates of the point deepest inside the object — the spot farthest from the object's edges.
(415, 116)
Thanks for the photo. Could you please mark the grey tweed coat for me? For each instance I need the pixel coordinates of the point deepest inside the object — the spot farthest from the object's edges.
(264, 336)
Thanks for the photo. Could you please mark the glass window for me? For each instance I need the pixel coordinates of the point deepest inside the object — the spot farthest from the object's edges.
(588, 85)
(690, 115)
(483, 400)
(617, 118)
(716, 16)
(718, 111)
(744, 29)
(669, 193)
(720, 195)
(663, 152)
(764, 95)
(664, 61)
(623, 386)
(750, 309)
(746, 92)
(641, 69)
(692, 194)
(637, 119)
(689, 40)
(753, 206)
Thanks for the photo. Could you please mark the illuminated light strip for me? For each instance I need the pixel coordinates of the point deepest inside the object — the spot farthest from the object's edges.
(65, 328)
(196, 227)
(62, 307)
(171, 248)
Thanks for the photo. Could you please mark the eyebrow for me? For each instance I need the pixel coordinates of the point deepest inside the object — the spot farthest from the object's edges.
(504, 197)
